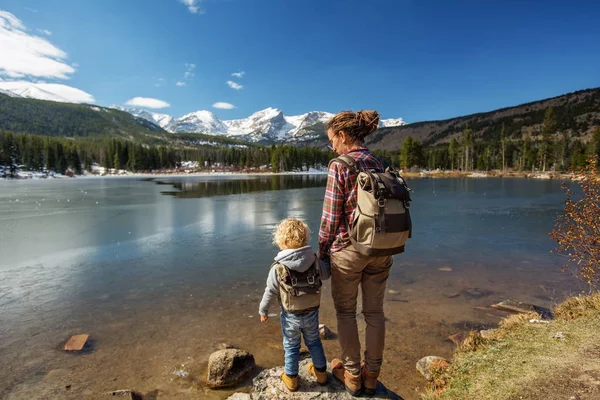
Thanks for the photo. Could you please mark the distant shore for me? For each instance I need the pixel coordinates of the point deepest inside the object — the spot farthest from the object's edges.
(217, 172)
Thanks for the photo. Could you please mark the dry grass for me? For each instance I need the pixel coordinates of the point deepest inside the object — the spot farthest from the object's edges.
(524, 360)
(578, 306)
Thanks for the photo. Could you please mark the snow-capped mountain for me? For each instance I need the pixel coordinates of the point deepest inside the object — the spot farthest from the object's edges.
(165, 121)
(8, 93)
(268, 125)
(200, 121)
(30, 91)
(386, 123)
(46, 91)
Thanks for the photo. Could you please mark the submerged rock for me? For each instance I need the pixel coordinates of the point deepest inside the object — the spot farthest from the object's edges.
(229, 367)
(268, 386)
(524, 308)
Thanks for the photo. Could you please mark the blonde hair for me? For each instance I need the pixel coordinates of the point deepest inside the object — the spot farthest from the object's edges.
(291, 233)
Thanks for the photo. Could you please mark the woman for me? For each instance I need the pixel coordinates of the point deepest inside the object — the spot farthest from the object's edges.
(349, 268)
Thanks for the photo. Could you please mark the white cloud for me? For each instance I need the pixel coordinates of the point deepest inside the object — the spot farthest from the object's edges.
(147, 102)
(27, 55)
(48, 91)
(45, 32)
(235, 85)
(193, 6)
(223, 105)
(238, 74)
(180, 83)
(74, 65)
(31, 9)
(189, 74)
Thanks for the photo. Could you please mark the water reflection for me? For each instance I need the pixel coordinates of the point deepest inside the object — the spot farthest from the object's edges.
(206, 188)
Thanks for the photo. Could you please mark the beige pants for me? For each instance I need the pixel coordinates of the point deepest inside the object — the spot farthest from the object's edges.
(349, 268)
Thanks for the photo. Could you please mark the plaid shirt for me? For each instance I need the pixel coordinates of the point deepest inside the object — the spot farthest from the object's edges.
(340, 201)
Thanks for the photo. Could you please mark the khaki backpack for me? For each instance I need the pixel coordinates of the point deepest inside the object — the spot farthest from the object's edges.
(299, 291)
(381, 223)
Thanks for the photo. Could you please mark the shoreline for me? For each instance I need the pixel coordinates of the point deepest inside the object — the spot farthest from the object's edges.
(436, 174)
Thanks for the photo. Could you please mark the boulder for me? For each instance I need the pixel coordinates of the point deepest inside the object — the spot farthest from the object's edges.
(424, 365)
(229, 367)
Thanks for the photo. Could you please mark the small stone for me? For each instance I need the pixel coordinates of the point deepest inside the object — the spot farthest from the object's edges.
(76, 342)
(324, 332)
(239, 396)
(424, 364)
(457, 338)
(445, 269)
(392, 291)
(558, 335)
(122, 394)
(473, 292)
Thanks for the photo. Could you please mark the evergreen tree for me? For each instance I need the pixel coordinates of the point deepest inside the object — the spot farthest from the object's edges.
(503, 145)
(407, 153)
(452, 149)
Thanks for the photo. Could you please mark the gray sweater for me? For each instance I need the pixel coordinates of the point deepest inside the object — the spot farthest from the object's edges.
(295, 259)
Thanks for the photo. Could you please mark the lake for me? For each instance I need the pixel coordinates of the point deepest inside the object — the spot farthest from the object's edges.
(161, 271)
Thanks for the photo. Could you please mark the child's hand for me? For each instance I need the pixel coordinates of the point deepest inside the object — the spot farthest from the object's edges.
(263, 318)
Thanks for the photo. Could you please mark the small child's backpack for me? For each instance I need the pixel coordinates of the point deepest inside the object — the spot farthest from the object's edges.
(381, 223)
(299, 291)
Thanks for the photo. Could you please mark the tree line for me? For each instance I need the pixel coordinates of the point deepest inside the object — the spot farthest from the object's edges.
(554, 146)
(67, 155)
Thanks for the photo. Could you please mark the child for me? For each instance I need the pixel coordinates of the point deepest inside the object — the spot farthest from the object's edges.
(295, 281)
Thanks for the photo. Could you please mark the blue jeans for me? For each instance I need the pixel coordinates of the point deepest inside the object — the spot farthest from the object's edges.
(294, 326)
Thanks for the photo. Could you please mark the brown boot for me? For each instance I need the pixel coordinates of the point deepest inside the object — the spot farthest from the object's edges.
(290, 383)
(369, 380)
(352, 382)
(321, 376)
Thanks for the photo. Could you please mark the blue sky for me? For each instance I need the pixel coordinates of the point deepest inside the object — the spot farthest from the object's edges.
(412, 59)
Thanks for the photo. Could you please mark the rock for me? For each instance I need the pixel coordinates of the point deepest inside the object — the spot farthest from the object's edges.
(476, 293)
(457, 338)
(424, 365)
(229, 367)
(524, 308)
(445, 269)
(76, 342)
(268, 386)
(124, 394)
(224, 346)
(392, 291)
(324, 332)
(239, 396)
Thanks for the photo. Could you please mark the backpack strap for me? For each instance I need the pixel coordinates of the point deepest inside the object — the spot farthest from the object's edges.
(347, 161)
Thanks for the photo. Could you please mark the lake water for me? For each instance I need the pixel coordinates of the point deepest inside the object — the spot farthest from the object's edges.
(161, 271)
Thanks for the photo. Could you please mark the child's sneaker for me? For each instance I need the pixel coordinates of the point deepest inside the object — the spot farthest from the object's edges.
(290, 383)
(321, 376)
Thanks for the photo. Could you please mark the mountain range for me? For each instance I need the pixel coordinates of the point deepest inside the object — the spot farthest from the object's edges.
(266, 126)
(577, 115)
